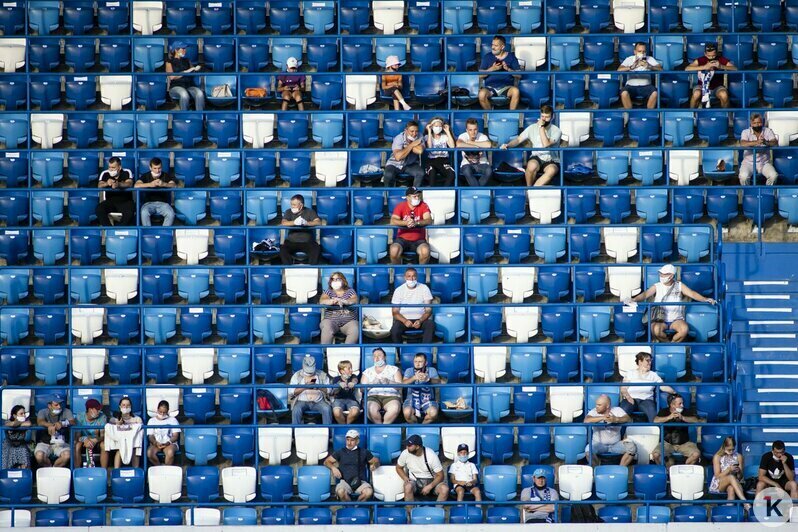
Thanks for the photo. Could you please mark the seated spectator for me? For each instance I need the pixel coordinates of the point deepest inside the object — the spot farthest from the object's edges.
(347, 465)
(541, 134)
(420, 404)
(669, 317)
(417, 318)
(439, 165)
(156, 203)
(639, 86)
(123, 434)
(710, 67)
(346, 398)
(607, 438)
(543, 496)
(291, 85)
(339, 317)
(759, 137)
(391, 83)
(497, 65)
(728, 466)
(421, 470)
(381, 399)
(677, 439)
(406, 149)
(16, 453)
(300, 240)
(464, 475)
(183, 88)
(309, 399)
(115, 180)
(474, 162)
(163, 436)
(641, 398)
(412, 216)
(52, 447)
(777, 470)
(91, 440)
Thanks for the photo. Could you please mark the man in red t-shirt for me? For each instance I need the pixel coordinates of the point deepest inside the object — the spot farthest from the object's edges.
(710, 65)
(412, 216)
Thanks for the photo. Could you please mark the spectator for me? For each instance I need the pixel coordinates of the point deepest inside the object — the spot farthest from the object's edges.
(339, 317)
(347, 465)
(439, 165)
(421, 470)
(539, 493)
(346, 398)
(412, 293)
(16, 453)
(669, 317)
(91, 441)
(541, 134)
(406, 149)
(163, 436)
(183, 88)
(123, 434)
(291, 85)
(641, 398)
(420, 404)
(117, 200)
(379, 399)
(156, 203)
(497, 65)
(607, 439)
(710, 79)
(309, 399)
(777, 470)
(474, 162)
(464, 475)
(300, 240)
(392, 83)
(53, 447)
(728, 467)
(759, 137)
(412, 216)
(639, 86)
(677, 439)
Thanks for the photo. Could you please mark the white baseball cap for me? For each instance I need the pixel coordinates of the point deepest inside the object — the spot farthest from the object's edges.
(668, 269)
(392, 60)
(291, 62)
(352, 433)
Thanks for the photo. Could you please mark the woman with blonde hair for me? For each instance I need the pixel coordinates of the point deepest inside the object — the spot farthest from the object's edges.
(728, 467)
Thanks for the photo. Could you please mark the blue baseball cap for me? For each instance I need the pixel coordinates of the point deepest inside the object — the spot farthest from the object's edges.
(539, 472)
(177, 45)
(56, 398)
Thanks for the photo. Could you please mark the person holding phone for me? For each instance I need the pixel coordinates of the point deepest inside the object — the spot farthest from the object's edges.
(291, 85)
(420, 404)
(639, 86)
(761, 138)
(727, 465)
(777, 470)
(677, 439)
(182, 88)
(306, 396)
(710, 67)
(497, 67)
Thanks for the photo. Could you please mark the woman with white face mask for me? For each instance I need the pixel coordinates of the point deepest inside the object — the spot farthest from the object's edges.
(438, 163)
(339, 317)
(16, 452)
(122, 422)
(164, 439)
(183, 88)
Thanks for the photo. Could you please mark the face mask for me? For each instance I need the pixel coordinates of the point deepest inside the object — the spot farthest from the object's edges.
(546, 123)
(336, 285)
(757, 129)
(56, 411)
(462, 458)
(415, 202)
(379, 363)
(113, 173)
(640, 56)
(437, 129)
(156, 173)
(664, 280)
(679, 410)
(163, 416)
(411, 138)
(125, 410)
(21, 418)
(411, 284)
(180, 55)
(296, 210)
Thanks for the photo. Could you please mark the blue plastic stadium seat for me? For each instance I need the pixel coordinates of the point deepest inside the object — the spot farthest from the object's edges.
(560, 16)
(160, 324)
(88, 517)
(216, 19)
(284, 17)
(166, 516)
(14, 208)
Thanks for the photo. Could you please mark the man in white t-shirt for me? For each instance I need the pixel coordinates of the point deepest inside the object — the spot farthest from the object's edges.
(639, 86)
(642, 398)
(474, 162)
(541, 134)
(412, 318)
(421, 470)
(464, 475)
(607, 436)
(379, 399)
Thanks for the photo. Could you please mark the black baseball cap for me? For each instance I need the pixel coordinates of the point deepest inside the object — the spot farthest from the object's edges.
(412, 191)
(415, 439)
(462, 447)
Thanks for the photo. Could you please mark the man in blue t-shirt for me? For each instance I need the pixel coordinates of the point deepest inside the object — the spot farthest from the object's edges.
(420, 404)
(498, 64)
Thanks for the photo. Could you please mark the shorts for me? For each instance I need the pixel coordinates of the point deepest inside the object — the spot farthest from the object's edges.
(424, 407)
(344, 486)
(345, 404)
(684, 449)
(619, 447)
(713, 91)
(639, 92)
(51, 450)
(498, 91)
(409, 245)
(541, 164)
(383, 400)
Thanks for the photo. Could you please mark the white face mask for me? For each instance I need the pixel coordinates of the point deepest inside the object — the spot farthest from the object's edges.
(437, 129)
(163, 416)
(113, 173)
(21, 418)
(336, 285)
(415, 202)
(678, 410)
(379, 363)
(156, 173)
(664, 279)
(57, 411)
(640, 56)
(411, 284)
(296, 210)
(410, 139)
(125, 410)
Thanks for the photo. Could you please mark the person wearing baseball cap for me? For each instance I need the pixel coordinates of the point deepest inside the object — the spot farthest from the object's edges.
(710, 68)
(411, 216)
(541, 496)
(421, 470)
(671, 317)
(291, 86)
(406, 150)
(464, 475)
(91, 441)
(52, 447)
(391, 83)
(347, 465)
(309, 399)
(183, 88)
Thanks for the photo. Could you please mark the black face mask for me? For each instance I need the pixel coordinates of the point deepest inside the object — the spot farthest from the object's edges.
(546, 123)
(756, 129)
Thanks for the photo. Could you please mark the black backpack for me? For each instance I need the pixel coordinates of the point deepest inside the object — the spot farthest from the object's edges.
(584, 513)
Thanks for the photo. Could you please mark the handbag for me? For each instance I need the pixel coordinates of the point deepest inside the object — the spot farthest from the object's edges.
(255, 92)
(222, 91)
(658, 312)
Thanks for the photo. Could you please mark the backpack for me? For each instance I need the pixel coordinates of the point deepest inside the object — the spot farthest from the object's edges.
(584, 513)
(268, 401)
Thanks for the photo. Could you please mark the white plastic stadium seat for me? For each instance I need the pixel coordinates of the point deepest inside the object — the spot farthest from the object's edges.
(301, 284)
(116, 91)
(361, 91)
(196, 363)
(518, 283)
(388, 485)
(203, 517)
(444, 243)
(687, 482)
(384, 315)
(567, 402)
(522, 322)
(12, 397)
(334, 355)
(47, 129)
(530, 51)
(646, 439)
(683, 166)
(544, 204)
(20, 518)
(441, 203)
(629, 15)
(258, 129)
(625, 355)
(452, 437)
(274, 444)
(192, 244)
(168, 393)
(388, 15)
(88, 365)
(575, 127)
(121, 284)
(331, 167)
(147, 17)
(621, 243)
(52, 484)
(312, 444)
(12, 54)
(625, 282)
(576, 482)
(165, 483)
(490, 362)
(239, 483)
(87, 323)
(784, 124)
